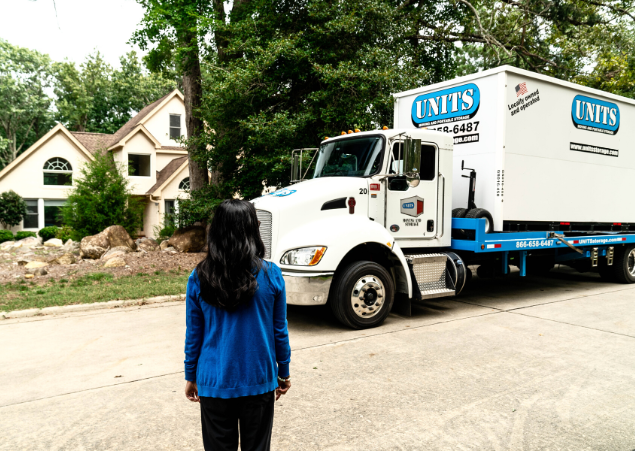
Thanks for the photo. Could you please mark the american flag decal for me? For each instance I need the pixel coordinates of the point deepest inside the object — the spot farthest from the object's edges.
(521, 89)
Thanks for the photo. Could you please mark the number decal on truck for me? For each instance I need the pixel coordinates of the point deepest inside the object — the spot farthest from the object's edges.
(465, 127)
(534, 243)
(363, 191)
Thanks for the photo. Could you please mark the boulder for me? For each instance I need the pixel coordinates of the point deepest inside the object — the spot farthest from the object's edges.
(147, 244)
(23, 261)
(37, 271)
(7, 245)
(188, 239)
(115, 262)
(114, 236)
(70, 246)
(114, 252)
(117, 236)
(93, 246)
(29, 242)
(29, 276)
(33, 265)
(164, 245)
(169, 249)
(54, 242)
(66, 259)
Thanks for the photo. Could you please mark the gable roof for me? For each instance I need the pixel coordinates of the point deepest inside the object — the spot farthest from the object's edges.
(93, 142)
(59, 128)
(141, 117)
(170, 169)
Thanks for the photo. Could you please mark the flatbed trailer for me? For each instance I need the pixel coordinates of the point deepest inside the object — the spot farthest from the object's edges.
(570, 248)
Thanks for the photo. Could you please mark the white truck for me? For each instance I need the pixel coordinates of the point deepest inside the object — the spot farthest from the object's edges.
(387, 215)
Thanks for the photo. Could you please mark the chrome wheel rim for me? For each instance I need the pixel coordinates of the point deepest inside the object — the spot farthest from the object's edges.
(631, 262)
(367, 297)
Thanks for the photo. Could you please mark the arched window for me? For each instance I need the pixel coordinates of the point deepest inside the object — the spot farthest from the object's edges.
(185, 184)
(58, 171)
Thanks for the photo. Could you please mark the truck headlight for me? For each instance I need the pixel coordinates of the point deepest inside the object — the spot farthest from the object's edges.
(305, 256)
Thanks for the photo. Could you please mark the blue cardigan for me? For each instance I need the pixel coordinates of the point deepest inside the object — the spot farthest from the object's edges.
(232, 354)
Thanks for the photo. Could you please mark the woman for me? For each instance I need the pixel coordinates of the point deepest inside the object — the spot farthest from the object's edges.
(236, 333)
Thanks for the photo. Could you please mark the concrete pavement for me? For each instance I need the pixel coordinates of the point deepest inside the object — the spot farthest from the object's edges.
(514, 364)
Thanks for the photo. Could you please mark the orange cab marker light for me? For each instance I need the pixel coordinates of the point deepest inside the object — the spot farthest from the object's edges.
(326, 137)
(350, 131)
(343, 133)
(318, 256)
(389, 244)
(357, 130)
(384, 128)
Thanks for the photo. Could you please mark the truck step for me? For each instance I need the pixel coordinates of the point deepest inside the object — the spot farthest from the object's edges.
(431, 276)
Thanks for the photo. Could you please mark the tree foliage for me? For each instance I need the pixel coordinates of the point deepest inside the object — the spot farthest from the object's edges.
(24, 105)
(12, 209)
(97, 98)
(102, 198)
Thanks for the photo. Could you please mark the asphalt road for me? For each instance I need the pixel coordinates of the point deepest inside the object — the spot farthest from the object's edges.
(514, 364)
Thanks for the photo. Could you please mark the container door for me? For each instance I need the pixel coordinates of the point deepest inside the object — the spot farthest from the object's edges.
(411, 212)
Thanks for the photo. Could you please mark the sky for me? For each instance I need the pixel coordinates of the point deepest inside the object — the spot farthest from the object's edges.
(81, 26)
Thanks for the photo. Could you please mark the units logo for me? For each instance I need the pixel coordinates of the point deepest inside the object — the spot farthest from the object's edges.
(595, 115)
(412, 206)
(458, 103)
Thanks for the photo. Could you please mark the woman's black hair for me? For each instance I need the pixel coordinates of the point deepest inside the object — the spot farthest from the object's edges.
(228, 273)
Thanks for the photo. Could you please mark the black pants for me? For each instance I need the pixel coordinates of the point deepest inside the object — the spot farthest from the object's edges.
(220, 418)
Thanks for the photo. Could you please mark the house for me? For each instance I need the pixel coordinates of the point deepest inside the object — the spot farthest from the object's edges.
(157, 164)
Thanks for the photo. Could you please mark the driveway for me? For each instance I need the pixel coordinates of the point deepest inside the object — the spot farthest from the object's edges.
(513, 364)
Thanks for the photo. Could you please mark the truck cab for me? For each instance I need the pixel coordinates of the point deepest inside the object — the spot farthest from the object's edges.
(370, 223)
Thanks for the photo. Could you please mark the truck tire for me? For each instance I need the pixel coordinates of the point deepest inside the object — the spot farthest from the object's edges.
(362, 295)
(477, 213)
(459, 212)
(624, 264)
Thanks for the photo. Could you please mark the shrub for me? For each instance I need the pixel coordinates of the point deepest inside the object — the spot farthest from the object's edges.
(12, 208)
(198, 208)
(48, 232)
(22, 234)
(102, 197)
(64, 233)
(6, 235)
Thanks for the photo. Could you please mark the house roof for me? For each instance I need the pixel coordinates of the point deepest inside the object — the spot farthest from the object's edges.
(166, 173)
(93, 142)
(132, 123)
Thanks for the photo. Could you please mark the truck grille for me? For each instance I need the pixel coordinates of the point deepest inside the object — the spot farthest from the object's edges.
(265, 230)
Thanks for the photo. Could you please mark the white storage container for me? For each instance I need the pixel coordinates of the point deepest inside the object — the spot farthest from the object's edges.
(544, 149)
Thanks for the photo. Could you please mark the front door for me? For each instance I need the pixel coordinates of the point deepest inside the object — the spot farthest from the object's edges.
(411, 212)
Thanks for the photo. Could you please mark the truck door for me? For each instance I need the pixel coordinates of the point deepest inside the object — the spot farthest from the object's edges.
(411, 212)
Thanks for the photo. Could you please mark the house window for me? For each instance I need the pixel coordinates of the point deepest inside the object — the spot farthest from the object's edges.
(53, 212)
(31, 218)
(139, 165)
(170, 211)
(175, 126)
(58, 171)
(185, 184)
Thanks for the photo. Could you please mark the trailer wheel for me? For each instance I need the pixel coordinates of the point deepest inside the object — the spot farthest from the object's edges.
(624, 264)
(477, 213)
(363, 295)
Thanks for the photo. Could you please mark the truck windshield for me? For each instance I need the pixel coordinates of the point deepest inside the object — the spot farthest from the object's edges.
(355, 157)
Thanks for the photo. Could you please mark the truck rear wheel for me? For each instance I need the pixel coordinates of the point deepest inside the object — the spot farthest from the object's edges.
(624, 264)
(362, 295)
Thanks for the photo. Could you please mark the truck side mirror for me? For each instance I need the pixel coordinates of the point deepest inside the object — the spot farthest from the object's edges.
(412, 161)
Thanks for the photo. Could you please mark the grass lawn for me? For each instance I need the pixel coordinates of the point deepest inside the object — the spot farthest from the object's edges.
(96, 287)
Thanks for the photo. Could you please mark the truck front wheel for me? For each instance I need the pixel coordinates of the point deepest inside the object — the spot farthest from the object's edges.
(624, 264)
(362, 295)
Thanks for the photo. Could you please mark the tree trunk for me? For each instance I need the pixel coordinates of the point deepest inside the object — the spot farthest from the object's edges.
(193, 92)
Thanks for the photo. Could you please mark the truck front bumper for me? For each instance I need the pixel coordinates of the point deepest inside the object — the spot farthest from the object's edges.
(307, 288)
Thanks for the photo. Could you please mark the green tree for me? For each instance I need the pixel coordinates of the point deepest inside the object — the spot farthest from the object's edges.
(97, 98)
(174, 32)
(25, 114)
(101, 198)
(12, 209)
